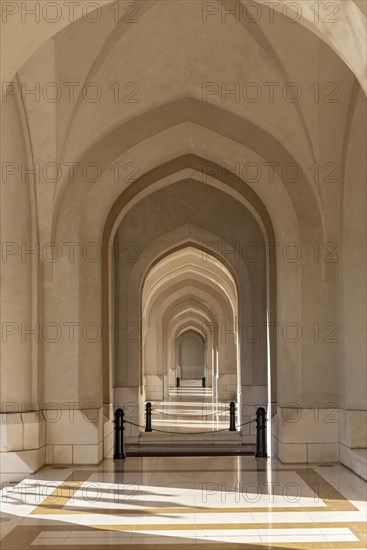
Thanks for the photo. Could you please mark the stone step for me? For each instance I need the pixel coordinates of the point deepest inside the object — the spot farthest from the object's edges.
(156, 439)
(181, 444)
(189, 450)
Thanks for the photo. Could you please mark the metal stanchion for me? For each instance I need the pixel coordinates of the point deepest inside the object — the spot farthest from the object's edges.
(232, 417)
(148, 415)
(119, 435)
(261, 433)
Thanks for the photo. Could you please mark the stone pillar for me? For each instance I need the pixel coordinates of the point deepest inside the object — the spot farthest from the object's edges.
(306, 426)
(22, 426)
(352, 297)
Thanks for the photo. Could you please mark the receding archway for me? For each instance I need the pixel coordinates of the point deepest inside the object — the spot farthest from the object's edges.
(115, 212)
(178, 290)
(269, 267)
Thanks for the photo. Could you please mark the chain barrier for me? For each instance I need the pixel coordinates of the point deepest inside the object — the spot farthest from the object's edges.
(189, 433)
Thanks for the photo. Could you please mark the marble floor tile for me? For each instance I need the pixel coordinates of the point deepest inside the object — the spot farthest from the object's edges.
(186, 501)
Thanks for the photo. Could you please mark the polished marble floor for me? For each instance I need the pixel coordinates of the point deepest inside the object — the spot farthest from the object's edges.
(190, 408)
(164, 502)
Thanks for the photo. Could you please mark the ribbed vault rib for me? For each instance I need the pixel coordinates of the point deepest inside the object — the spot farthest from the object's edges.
(279, 66)
(303, 195)
(122, 27)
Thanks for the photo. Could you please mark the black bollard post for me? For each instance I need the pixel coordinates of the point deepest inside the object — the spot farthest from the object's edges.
(203, 382)
(178, 382)
(261, 433)
(148, 411)
(232, 418)
(119, 434)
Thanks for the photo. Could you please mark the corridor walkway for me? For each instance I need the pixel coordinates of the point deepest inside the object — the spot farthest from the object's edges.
(202, 502)
(190, 408)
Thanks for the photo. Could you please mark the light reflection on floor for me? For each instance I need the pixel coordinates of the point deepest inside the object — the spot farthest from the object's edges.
(190, 407)
(211, 501)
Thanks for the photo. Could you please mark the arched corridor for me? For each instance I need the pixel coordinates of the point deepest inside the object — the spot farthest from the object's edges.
(183, 232)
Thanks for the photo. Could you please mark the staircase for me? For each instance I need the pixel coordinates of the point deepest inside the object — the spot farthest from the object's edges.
(190, 410)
